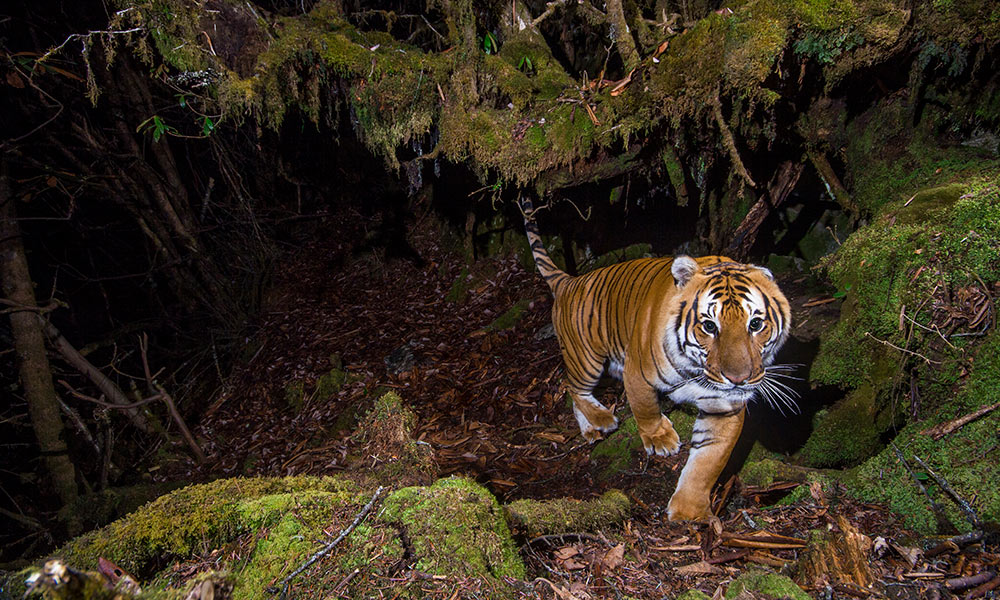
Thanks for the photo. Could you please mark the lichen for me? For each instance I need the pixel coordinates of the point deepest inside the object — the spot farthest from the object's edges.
(562, 515)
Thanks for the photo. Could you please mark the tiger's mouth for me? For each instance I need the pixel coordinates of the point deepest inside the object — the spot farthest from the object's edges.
(766, 385)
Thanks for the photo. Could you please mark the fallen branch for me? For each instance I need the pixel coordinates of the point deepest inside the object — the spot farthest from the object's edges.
(954, 544)
(961, 583)
(326, 549)
(833, 184)
(939, 431)
(779, 189)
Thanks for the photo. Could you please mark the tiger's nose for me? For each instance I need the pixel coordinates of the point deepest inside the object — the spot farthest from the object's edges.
(737, 377)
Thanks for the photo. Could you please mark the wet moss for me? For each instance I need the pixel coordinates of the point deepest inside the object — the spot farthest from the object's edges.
(455, 527)
(562, 515)
(383, 447)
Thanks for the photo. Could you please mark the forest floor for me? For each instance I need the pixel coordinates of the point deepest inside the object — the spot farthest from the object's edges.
(488, 401)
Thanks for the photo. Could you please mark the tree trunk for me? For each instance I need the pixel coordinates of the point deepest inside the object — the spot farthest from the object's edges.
(29, 345)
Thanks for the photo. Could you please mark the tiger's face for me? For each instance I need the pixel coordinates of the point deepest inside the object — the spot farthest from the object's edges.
(731, 320)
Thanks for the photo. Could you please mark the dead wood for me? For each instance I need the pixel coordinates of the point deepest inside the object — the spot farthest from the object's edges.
(779, 189)
(836, 556)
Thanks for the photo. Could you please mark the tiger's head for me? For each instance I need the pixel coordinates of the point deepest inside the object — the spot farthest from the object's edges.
(729, 321)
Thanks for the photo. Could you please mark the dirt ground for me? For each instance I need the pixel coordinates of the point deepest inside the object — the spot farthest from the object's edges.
(488, 401)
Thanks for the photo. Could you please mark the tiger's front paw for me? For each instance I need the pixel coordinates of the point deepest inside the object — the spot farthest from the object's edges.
(662, 440)
(595, 422)
(688, 508)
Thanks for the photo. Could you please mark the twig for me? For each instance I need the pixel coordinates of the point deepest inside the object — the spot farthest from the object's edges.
(81, 36)
(934, 505)
(326, 549)
(81, 396)
(903, 350)
(939, 431)
(185, 432)
(965, 507)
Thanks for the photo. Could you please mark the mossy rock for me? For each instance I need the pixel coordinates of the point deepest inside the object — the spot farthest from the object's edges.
(191, 518)
(100, 508)
(849, 432)
(562, 515)
(455, 527)
(945, 239)
(771, 585)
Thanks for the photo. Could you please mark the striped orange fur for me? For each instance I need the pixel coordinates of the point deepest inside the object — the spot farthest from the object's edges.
(704, 331)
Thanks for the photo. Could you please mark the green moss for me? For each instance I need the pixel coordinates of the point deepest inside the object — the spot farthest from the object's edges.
(510, 317)
(542, 517)
(769, 584)
(329, 384)
(455, 527)
(615, 453)
(295, 394)
(861, 414)
(185, 520)
(460, 288)
(962, 457)
(694, 595)
(890, 159)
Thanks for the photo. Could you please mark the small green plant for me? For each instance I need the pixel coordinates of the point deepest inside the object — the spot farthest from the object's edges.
(525, 65)
(207, 126)
(490, 44)
(156, 126)
(843, 292)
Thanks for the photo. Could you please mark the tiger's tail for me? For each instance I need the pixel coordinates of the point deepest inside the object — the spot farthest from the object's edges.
(553, 275)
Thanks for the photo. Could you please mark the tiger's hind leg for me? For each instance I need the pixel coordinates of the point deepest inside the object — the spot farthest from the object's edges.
(591, 415)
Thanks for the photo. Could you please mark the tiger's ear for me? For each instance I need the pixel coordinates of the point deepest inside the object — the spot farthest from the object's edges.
(683, 270)
(767, 272)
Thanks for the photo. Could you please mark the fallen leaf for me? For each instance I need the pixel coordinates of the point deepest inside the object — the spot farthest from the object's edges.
(614, 558)
(699, 568)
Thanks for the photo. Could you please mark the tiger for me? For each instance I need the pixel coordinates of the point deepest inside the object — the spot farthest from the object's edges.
(704, 331)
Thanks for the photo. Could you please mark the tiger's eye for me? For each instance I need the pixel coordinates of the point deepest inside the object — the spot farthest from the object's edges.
(709, 327)
(756, 324)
